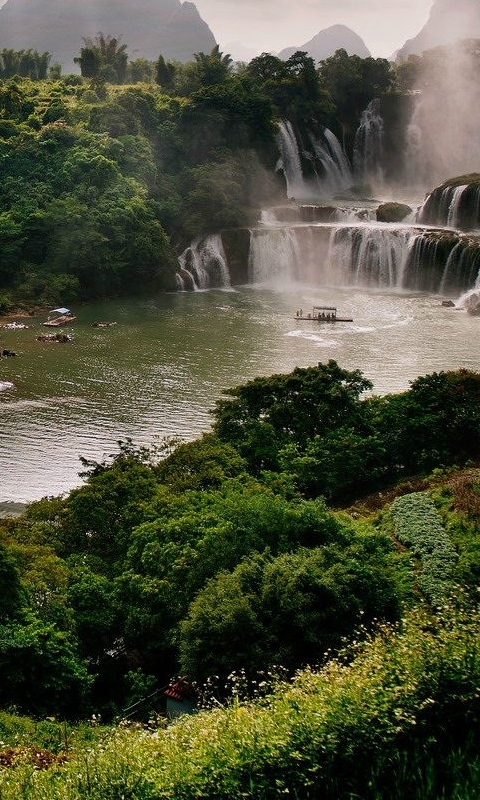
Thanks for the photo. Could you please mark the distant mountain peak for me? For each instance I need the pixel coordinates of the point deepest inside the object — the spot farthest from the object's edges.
(325, 43)
(449, 21)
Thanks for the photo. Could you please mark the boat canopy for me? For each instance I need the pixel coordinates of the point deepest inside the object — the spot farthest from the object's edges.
(60, 311)
(324, 308)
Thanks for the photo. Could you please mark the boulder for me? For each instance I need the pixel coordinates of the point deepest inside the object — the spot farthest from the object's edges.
(472, 304)
(393, 212)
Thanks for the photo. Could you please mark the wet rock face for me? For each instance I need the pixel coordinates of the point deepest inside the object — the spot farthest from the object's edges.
(456, 204)
(472, 304)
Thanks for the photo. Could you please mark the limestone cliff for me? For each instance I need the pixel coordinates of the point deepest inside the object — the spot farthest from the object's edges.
(325, 44)
(449, 21)
(169, 27)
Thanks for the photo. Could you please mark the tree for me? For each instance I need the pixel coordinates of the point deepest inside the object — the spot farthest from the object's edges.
(292, 86)
(103, 57)
(214, 68)
(165, 73)
(12, 595)
(353, 82)
(288, 409)
(140, 71)
(40, 670)
(289, 610)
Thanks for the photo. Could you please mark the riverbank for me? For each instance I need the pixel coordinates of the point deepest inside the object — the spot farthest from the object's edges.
(11, 509)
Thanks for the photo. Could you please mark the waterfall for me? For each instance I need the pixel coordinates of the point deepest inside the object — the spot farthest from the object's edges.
(368, 148)
(205, 264)
(454, 205)
(290, 159)
(369, 255)
(329, 166)
(336, 174)
(274, 255)
(415, 160)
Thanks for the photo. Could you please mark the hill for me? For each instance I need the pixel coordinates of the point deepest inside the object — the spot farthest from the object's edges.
(449, 21)
(328, 41)
(169, 27)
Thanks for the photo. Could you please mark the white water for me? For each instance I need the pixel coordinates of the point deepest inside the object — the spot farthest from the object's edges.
(336, 172)
(368, 151)
(330, 167)
(206, 264)
(290, 160)
(371, 255)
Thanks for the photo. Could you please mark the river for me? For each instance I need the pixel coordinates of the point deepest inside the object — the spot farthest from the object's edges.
(159, 370)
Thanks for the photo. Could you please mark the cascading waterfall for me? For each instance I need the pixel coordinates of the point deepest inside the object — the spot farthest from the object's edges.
(274, 255)
(203, 265)
(388, 257)
(369, 256)
(290, 160)
(330, 169)
(415, 169)
(453, 206)
(336, 174)
(368, 149)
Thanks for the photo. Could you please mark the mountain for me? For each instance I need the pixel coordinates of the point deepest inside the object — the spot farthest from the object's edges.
(449, 21)
(169, 27)
(325, 43)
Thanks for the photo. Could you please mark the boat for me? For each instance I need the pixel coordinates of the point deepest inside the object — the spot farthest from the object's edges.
(58, 317)
(322, 314)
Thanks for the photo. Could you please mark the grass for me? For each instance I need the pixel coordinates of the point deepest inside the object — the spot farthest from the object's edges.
(397, 716)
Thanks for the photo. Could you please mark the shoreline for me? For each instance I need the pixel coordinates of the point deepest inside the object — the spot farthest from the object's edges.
(9, 509)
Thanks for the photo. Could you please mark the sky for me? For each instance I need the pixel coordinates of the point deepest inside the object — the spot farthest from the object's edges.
(271, 25)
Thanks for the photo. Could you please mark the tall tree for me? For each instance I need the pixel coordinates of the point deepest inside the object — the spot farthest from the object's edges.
(103, 56)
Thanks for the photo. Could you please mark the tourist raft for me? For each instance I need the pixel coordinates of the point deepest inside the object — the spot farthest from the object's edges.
(322, 314)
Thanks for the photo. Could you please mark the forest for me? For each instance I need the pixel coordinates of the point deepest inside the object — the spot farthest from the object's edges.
(311, 524)
(108, 175)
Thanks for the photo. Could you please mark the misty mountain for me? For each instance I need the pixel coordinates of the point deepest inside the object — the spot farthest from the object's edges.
(449, 21)
(169, 27)
(325, 43)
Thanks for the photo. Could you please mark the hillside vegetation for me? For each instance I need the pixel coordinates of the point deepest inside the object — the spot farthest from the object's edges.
(107, 176)
(329, 633)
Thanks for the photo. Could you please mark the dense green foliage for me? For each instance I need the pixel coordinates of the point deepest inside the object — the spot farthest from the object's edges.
(105, 182)
(198, 558)
(419, 525)
(222, 554)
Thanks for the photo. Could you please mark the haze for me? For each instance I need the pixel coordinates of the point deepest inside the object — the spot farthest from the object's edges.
(271, 25)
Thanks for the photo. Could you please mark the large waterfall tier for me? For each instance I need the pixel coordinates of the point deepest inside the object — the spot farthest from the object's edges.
(314, 166)
(364, 255)
(456, 204)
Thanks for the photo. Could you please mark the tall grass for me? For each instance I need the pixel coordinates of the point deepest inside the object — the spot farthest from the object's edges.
(398, 717)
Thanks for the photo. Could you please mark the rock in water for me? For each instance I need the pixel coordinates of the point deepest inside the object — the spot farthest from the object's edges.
(472, 304)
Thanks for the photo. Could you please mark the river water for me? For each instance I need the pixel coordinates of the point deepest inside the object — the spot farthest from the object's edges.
(159, 370)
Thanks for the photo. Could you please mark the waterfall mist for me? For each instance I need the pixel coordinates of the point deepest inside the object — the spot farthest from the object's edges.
(443, 134)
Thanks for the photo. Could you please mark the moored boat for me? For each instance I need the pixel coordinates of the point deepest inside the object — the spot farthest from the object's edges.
(58, 317)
